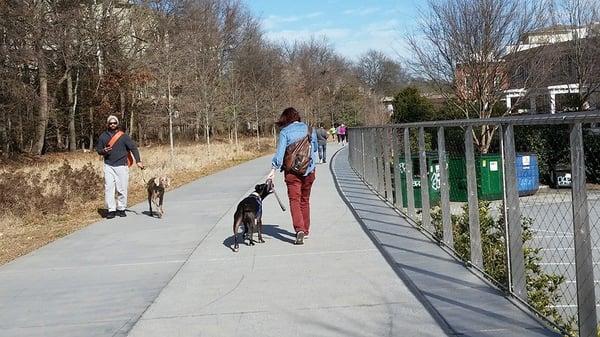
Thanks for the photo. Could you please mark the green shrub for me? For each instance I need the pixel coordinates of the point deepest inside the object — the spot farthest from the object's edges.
(542, 287)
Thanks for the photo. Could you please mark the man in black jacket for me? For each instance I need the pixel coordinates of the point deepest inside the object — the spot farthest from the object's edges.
(116, 146)
(322, 136)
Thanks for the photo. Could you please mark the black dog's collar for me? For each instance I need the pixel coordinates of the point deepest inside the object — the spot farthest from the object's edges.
(259, 201)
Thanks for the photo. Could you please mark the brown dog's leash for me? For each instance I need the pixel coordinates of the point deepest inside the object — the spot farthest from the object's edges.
(144, 176)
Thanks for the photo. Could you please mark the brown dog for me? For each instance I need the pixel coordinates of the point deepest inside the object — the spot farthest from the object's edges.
(156, 193)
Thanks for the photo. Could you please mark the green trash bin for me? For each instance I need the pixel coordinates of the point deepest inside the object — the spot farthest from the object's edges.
(457, 178)
(433, 170)
(489, 177)
(488, 168)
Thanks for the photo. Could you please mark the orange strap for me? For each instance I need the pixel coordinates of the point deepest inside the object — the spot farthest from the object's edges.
(113, 140)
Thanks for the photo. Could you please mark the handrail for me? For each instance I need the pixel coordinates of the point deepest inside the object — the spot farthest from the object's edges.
(592, 116)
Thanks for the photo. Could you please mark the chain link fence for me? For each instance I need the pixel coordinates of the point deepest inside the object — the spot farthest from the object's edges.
(517, 198)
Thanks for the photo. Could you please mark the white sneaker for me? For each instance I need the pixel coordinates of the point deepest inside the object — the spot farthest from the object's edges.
(299, 238)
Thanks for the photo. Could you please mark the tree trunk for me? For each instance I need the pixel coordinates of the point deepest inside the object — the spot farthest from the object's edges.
(73, 98)
(42, 118)
(235, 128)
(207, 128)
(257, 122)
(170, 110)
(20, 136)
(99, 53)
(4, 143)
(141, 134)
(122, 102)
(91, 135)
(54, 118)
(197, 126)
(131, 129)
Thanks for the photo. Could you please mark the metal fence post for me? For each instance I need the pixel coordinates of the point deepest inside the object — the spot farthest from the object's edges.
(410, 196)
(387, 167)
(445, 189)
(380, 163)
(512, 216)
(423, 172)
(362, 154)
(398, 201)
(376, 160)
(586, 299)
(474, 229)
(371, 158)
(350, 150)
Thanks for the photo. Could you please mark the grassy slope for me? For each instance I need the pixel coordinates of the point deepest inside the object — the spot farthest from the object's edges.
(24, 229)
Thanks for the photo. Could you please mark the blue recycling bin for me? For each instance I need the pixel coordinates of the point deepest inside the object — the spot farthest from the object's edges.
(528, 174)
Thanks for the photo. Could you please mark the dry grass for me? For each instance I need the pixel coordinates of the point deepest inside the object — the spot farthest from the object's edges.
(50, 197)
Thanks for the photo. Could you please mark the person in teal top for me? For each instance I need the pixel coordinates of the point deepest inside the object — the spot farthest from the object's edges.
(299, 187)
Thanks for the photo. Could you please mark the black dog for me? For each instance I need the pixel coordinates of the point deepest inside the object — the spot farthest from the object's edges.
(249, 213)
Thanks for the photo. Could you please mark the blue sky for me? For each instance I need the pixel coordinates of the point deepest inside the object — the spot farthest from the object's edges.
(351, 26)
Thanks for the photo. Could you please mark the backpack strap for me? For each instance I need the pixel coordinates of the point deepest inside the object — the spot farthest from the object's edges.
(114, 138)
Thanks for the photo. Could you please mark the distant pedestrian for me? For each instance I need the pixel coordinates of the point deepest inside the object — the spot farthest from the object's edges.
(332, 133)
(342, 133)
(322, 136)
(117, 148)
(337, 132)
(299, 184)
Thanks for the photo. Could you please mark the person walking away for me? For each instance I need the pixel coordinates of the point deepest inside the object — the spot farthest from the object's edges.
(342, 133)
(332, 133)
(337, 133)
(299, 178)
(322, 136)
(117, 148)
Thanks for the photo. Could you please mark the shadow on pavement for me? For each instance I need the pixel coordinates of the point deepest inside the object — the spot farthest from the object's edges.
(269, 230)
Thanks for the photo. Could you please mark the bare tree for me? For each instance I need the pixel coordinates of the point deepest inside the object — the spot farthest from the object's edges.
(580, 60)
(194, 69)
(462, 46)
(380, 73)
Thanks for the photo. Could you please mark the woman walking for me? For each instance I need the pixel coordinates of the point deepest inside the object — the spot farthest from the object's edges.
(294, 135)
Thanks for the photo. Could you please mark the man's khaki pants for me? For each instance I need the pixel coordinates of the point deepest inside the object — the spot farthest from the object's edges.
(116, 178)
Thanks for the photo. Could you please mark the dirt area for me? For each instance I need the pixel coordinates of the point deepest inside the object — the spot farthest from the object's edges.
(50, 197)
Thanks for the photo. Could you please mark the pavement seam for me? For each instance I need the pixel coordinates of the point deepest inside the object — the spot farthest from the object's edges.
(131, 322)
(94, 266)
(328, 307)
(59, 325)
(333, 252)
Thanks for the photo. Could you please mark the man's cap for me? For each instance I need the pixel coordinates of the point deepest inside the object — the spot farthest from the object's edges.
(112, 117)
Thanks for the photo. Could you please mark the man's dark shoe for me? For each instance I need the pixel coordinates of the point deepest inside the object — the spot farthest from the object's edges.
(121, 213)
(110, 215)
(299, 238)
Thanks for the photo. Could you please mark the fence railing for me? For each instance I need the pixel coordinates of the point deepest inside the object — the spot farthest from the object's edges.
(516, 197)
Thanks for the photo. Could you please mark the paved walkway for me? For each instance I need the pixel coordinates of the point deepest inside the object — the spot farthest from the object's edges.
(176, 276)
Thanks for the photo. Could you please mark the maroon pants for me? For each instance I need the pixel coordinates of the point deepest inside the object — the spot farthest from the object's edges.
(299, 195)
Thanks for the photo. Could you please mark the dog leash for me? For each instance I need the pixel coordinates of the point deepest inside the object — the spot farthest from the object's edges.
(270, 183)
(144, 175)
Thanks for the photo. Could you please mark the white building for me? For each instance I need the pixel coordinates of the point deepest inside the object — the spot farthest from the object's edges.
(560, 84)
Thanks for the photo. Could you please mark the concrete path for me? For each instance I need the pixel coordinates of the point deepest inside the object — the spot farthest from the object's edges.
(176, 276)
(464, 303)
(337, 284)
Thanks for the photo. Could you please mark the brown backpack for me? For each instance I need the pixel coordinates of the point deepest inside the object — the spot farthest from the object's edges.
(298, 155)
